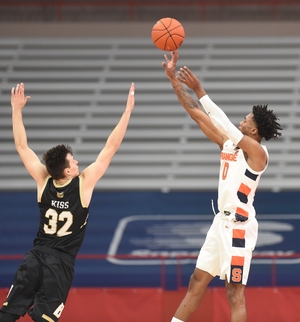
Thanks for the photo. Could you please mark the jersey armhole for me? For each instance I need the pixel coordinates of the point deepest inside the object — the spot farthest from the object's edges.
(80, 192)
(40, 193)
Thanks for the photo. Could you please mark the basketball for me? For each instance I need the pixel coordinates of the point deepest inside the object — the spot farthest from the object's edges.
(168, 34)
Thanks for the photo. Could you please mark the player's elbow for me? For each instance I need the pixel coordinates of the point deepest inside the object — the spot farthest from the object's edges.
(20, 147)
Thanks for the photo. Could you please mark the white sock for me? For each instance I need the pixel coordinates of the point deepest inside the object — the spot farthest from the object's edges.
(176, 320)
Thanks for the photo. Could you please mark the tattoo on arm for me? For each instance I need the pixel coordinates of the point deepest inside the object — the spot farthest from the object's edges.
(185, 98)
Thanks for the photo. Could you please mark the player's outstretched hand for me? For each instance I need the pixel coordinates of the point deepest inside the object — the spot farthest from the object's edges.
(18, 98)
(170, 64)
(130, 99)
(187, 77)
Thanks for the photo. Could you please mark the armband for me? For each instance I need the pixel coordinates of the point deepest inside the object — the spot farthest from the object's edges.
(220, 120)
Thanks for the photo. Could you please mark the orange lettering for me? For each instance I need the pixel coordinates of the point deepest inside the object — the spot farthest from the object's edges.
(228, 156)
(225, 170)
(236, 275)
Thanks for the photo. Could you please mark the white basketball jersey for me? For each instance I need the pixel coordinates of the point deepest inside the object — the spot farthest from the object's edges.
(237, 183)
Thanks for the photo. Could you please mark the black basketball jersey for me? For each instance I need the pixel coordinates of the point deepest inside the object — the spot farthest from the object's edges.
(63, 218)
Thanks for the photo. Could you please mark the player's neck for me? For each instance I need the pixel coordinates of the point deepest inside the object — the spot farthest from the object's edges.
(61, 182)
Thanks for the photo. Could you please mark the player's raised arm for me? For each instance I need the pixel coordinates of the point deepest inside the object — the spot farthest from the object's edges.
(256, 155)
(31, 161)
(97, 169)
(185, 99)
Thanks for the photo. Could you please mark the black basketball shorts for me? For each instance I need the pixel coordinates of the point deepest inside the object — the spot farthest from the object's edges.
(40, 286)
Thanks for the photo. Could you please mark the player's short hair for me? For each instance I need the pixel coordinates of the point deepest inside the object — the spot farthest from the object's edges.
(55, 160)
(266, 122)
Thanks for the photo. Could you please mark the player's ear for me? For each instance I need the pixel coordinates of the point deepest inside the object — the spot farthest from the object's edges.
(254, 131)
(67, 171)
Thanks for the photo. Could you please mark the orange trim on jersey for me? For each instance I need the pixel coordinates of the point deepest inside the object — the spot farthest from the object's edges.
(242, 212)
(237, 260)
(238, 233)
(244, 189)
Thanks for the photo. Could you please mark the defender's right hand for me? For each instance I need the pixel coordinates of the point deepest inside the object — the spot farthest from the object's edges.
(18, 98)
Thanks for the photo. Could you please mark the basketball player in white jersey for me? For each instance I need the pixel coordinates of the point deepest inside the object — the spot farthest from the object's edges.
(227, 250)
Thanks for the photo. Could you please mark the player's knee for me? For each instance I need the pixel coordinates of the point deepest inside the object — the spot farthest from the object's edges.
(196, 285)
(199, 280)
(8, 317)
(235, 295)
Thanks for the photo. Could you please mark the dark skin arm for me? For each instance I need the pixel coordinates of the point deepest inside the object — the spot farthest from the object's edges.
(250, 143)
(190, 105)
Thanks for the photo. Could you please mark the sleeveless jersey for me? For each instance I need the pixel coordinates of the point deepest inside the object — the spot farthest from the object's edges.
(237, 183)
(63, 218)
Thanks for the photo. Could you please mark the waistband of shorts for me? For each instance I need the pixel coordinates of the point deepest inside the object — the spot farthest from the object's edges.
(232, 217)
(65, 257)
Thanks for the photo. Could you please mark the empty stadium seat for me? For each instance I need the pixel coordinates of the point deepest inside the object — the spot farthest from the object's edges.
(79, 87)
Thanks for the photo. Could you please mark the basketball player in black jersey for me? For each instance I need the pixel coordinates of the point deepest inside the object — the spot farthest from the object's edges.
(42, 282)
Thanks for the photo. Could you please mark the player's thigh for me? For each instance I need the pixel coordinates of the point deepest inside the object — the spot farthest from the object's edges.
(209, 256)
(51, 298)
(25, 284)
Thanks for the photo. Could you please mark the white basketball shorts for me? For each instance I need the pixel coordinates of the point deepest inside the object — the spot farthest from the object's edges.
(228, 247)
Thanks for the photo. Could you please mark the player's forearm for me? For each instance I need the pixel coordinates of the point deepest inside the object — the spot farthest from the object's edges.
(116, 137)
(185, 99)
(19, 131)
(199, 91)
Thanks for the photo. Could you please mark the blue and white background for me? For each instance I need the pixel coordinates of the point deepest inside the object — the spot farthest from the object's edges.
(147, 225)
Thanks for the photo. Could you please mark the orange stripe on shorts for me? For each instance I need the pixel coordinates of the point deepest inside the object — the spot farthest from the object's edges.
(237, 260)
(242, 212)
(238, 233)
(244, 189)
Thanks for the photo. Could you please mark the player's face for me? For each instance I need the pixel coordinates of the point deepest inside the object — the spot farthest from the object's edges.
(73, 166)
(247, 125)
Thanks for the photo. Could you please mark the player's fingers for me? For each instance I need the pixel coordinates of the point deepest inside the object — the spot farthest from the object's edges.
(182, 80)
(174, 53)
(131, 90)
(185, 71)
(182, 73)
(190, 73)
